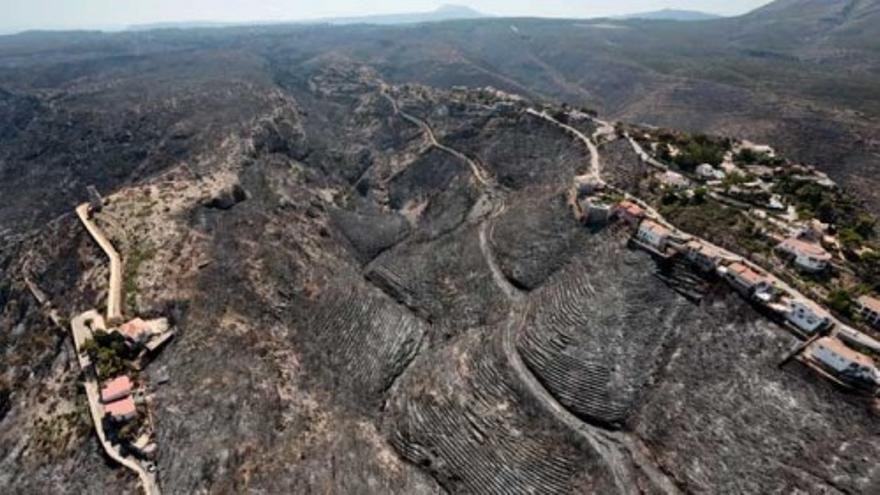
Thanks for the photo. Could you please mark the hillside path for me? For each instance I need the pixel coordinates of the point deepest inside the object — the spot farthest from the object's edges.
(114, 294)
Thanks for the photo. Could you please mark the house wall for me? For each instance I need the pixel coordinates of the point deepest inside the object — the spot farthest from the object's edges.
(810, 263)
(870, 316)
(652, 238)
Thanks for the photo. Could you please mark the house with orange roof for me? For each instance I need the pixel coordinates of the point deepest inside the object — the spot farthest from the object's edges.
(136, 330)
(809, 256)
(629, 212)
(705, 256)
(121, 410)
(116, 389)
(846, 363)
(653, 234)
(747, 280)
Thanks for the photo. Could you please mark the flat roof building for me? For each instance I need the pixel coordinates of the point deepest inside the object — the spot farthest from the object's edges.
(869, 310)
(835, 356)
(747, 280)
(808, 316)
(705, 256)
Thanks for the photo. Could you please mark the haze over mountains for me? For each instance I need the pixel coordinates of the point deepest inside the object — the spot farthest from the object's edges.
(671, 15)
(442, 13)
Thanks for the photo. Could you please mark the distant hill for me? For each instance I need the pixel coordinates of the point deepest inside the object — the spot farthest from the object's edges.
(443, 13)
(671, 15)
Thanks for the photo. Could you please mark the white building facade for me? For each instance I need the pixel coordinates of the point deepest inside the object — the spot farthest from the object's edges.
(653, 234)
(808, 317)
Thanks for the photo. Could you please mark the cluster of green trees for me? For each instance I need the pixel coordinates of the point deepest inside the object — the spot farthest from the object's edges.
(693, 150)
(110, 353)
(748, 156)
(842, 302)
(854, 226)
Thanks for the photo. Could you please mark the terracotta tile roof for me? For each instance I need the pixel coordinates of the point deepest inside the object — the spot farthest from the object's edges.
(656, 228)
(705, 249)
(134, 329)
(745, 273)
(810, 249)
(841, 349)
(121, 408)
(870, 303)
(631, 208)
(116, 388)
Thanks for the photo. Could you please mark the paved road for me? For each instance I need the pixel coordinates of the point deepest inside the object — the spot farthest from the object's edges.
(82, 333)
(114, 294)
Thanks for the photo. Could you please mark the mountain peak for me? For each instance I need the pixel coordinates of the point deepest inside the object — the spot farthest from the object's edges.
(451, 8)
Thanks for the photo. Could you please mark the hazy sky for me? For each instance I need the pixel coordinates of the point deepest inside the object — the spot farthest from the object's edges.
(54, 14)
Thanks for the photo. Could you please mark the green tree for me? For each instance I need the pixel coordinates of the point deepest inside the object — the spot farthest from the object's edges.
(842, 302)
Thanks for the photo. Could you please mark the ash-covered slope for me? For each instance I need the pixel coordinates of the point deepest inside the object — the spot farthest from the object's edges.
(397, 301)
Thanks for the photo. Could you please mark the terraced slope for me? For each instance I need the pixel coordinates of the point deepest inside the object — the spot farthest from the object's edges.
(460, 415)
(361, 338)
(595, 346)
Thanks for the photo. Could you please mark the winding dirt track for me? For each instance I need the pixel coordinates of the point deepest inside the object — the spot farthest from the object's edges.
(622, 453)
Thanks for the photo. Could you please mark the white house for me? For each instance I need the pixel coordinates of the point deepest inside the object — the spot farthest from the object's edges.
(673, 179)
(808, 316)
(869, 310)
(708, 172)
(835, 356)
(705, 256)
(653, 234)
(809, 256)
(745, 279)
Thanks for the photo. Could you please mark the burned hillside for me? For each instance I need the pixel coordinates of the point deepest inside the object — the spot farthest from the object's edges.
(395, 297)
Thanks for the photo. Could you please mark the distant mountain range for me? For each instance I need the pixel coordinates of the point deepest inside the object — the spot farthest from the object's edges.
(443, 13)
(671, 15)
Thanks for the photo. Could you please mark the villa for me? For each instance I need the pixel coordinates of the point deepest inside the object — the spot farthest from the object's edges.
(808, 256)
(116, 389)
(121, 410)
(653, 235)
(869, 310)
(808, 316)
(835, 356)
(630, 212)
(745, 279)
(704, 256)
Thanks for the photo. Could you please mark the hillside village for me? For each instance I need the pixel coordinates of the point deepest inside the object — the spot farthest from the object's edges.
(762, 237)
